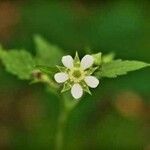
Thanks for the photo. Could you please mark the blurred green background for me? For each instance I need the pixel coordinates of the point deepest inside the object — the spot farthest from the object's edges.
(117, 115)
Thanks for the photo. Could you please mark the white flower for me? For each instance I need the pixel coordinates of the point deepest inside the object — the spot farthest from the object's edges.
(91, 81)
(67, 61)
(87, 61)
(77, 75)
(76, 91)
(61, 77)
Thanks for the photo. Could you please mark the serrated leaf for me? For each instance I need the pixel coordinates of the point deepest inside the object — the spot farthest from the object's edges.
(19, 63)
(47, 54)
(120, 67)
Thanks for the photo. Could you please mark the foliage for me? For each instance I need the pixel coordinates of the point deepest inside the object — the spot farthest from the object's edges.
(22, 63)
(17, 62)
(119, 67)
(118, 26)
(47, 54)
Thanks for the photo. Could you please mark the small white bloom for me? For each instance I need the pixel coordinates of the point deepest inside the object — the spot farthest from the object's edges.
(91, 81)
(61, 77)
(87, 61)
(77, 75)
(77, 91)
(67, 61)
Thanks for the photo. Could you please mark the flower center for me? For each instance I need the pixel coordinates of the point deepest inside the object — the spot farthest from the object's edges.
(76, 74)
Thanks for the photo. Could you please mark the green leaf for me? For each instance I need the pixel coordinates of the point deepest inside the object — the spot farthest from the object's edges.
(120, 67)
(47, 54)
(19, 63)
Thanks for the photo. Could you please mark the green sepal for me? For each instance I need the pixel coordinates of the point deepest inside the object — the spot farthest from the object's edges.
(62, 69)
(97, 58)
(91, 70)
(76, 60)
(66, 87)
(86, 88)
(108, 58)
(46, 70)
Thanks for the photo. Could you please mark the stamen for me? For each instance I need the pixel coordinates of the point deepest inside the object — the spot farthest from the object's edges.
(76, 74)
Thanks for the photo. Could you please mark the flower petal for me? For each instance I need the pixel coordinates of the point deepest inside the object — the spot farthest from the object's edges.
(87, 61)
(91, 81)
(67, 61)
(61, 77)
(77, 91)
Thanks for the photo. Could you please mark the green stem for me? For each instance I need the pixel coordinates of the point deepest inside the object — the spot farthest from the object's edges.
(60, 130)
(62, 120)
(66, 106)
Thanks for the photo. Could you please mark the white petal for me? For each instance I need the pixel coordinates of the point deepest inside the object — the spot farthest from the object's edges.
(87, 61)
(67, 61)
(91, 81)
(61, 77)
(76, 91)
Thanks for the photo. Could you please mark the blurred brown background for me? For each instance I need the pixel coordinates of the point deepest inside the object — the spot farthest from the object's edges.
(117, 116)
